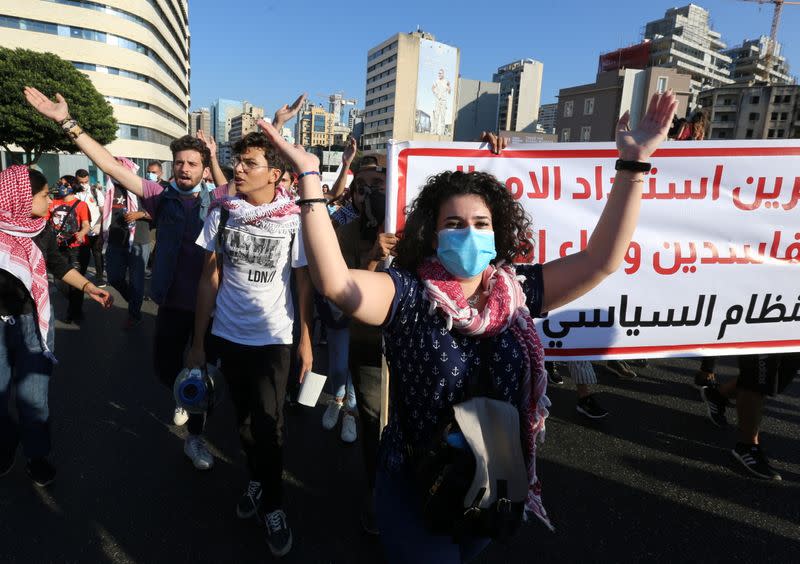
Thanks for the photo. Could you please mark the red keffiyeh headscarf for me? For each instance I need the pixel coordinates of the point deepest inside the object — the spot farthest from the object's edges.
(505, 309)
(19, 255)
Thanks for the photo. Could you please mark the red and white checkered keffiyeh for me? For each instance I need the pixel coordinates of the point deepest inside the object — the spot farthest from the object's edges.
(19, 255)
(505, 309)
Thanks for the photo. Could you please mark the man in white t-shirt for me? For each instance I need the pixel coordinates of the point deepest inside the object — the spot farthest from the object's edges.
(253, 245)
(95, 200)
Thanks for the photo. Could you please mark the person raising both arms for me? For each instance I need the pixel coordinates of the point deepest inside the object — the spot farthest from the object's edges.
(28, 252)
(178, 214)
(455, 285)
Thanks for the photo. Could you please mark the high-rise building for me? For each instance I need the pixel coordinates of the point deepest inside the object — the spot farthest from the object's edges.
(547, 118)
(337, 104)
(410, 90)
(200, 120)
(315, 126)
(683, 39)
(759, 111)
(749, 62)
(590, 112)
(245, 122)
(136, 53)
(476, 108)
(520, 94)
(222, 112)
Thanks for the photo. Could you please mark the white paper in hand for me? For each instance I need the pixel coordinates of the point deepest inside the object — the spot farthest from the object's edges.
(311, 388)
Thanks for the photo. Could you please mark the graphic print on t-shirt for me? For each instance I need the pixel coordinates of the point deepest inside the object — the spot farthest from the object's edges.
(260, 254)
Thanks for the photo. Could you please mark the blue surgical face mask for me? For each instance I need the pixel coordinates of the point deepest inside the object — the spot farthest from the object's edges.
(194, 190)
(152, 176)
(466, 252)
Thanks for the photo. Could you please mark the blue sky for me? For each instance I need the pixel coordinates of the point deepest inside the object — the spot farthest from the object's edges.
(268, 52)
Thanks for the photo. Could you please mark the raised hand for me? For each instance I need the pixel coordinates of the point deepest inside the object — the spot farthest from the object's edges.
(210, 142)
(496, 143)
(300, 160)
(639, 144)
(350, 151)
(285, 112)
(57, 111)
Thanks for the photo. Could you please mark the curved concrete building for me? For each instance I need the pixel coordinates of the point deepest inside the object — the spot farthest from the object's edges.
(136, 52)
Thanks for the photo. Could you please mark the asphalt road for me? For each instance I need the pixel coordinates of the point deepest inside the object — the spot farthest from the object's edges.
(654, 481)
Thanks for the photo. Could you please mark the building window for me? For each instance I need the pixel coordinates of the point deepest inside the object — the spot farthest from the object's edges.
(662, 84)
(774, 116)
(780, 133)
(784, 116)
(588, 106)
(568, 108)
(722, 134)
(748, 134)
(755, 99)
(777, 100)
(754, 116)
(586, 133)
(565, 134)
(771, 133)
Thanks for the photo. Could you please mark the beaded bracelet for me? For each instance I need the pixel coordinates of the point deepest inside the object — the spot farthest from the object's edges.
(84, 287)
(300, 176)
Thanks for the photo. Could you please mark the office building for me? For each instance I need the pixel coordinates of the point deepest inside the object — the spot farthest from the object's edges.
(315, 126)
(222, 112)
(683, 39)
(750, 59)
(410, 90)
(590, 112)
(200, 120)
(520, 94)
(136, 53)
(547, 118)
(476, 108)
(759, 111)
(245, 122)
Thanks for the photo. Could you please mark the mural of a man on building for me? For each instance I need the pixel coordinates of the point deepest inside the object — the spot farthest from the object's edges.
(441, 90)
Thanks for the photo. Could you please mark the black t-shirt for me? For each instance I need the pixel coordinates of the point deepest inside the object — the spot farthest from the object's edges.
(14, 296)
(118, 232)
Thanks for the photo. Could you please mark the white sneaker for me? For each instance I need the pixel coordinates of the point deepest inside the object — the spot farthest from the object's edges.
(180, 417)
(349, 433)
(331, 416)
(195, 448)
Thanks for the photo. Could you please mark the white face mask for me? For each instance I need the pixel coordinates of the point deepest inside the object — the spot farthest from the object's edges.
(152, 176)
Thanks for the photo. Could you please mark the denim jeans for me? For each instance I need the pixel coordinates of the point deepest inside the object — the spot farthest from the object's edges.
(338, 368)
(403, 533)
(125, 269)
(23, 365)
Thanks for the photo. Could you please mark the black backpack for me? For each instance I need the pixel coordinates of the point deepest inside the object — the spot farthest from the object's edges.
(66, 230)
(462, 492)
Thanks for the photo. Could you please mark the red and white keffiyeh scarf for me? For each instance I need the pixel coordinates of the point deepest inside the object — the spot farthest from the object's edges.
(19, 255)
(505, 309)
(281, 215)
(132, 202)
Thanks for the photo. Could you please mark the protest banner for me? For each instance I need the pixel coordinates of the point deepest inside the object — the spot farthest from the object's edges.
(714, 265)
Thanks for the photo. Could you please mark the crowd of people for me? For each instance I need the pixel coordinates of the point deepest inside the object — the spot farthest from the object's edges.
(244, 257)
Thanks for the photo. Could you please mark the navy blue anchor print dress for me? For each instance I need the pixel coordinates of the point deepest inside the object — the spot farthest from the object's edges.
(429, 365)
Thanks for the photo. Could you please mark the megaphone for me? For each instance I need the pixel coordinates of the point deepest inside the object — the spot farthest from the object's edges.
(195, 389)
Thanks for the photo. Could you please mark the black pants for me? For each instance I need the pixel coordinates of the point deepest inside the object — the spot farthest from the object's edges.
(257, 379)
(74, 295)
(95, 249)
(365, 369)
(174, 333)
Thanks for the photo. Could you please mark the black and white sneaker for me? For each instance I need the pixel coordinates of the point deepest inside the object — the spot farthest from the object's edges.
(588, 407)
(553, 375)
(41, 471)
(279, 535)
(250, 500)
(755, 461)
(715, 405)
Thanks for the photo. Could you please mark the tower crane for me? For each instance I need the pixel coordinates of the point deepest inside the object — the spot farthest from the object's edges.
(773, 34)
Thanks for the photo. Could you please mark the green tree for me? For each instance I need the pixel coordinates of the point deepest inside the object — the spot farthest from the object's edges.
(24, 127)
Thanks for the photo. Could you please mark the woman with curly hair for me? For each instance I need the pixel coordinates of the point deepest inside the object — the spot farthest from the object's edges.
(453, 291)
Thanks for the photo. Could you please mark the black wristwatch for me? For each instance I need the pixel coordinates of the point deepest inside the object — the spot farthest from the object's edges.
(632, 166)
